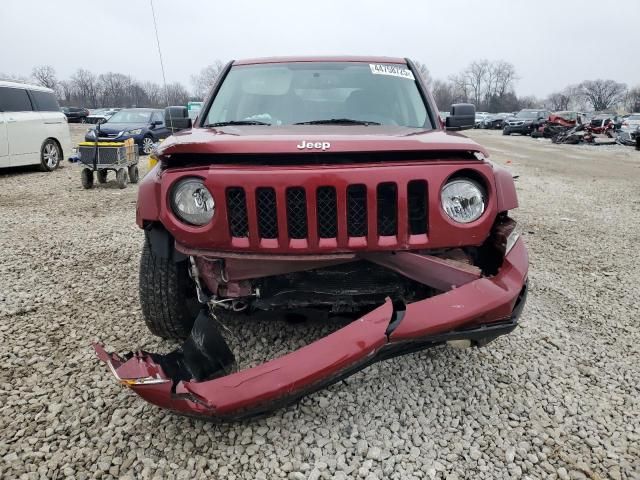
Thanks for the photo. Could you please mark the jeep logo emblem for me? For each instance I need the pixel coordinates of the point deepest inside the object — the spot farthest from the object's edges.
(314, 146)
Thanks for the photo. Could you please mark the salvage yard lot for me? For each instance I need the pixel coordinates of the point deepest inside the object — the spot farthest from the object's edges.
(558, 398)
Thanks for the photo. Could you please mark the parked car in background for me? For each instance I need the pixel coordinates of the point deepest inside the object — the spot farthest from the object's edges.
(75, 114)
(480, 117)
(494, 121)
(632, 122)
(145, 125)
(565, 118)
(101, 115)
(33, 130)
(525, 121)
(602, 124)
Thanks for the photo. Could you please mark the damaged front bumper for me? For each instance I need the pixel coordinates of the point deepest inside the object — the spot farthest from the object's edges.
(478, 311)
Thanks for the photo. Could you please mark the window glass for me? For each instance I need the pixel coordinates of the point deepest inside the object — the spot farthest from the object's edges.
(45, 101)
(14, 100)
(157, 117)
(131, 116)
(290, 93)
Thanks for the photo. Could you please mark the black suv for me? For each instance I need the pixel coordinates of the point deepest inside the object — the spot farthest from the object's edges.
(75, 114)
(525, 121)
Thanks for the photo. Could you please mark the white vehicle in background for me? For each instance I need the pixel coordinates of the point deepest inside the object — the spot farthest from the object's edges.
(632, 122)
(480, 118)
(33, 130)
(101, 115)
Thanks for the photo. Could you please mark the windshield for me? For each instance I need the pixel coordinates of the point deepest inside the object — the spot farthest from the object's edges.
(306, 92)
(131, 116)
(633, 117)
(525, 114)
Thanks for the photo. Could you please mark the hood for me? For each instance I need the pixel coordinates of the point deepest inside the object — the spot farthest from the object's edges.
(314, 139)
(119, 127)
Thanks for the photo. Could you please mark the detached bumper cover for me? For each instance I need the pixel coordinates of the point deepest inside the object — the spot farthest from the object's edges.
(479, 310)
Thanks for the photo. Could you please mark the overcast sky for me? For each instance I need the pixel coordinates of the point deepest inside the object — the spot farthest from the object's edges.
(551, 43)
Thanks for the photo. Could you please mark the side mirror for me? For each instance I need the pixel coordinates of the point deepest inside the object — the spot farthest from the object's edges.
(462, 117)
(155, 123)
(177, 118)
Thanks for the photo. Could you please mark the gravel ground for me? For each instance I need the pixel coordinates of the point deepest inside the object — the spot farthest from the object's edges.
(558, 398)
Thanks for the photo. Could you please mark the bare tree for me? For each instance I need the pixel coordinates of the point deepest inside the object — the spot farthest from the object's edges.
(504, 76)
(177, 94)
(529, 102)
(443, 94)
(423, 71)
(632, 100)
(154, 94)
(460, 87)
(203, 81)
(603, 94)
(558, 101)
(476, 79)
(45, 75)
(86, 85)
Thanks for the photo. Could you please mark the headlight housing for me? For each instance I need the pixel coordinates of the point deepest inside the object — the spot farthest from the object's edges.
(192, 202)
(137, 131)
(91, 133)
(463, 200)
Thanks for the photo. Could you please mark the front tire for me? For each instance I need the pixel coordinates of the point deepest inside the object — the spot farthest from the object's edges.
(506, 132)
(102, 176)
(167, 295)
(50, 155)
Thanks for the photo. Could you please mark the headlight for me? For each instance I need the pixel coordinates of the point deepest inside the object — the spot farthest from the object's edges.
(192, 202)
(91, 133)
(137, 131)
(463, 200)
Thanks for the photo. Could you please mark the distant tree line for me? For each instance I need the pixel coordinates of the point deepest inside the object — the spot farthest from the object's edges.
(489, 85)
(87, 89)
(598, 95)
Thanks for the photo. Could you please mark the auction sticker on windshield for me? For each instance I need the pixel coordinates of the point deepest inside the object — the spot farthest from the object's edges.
(393, 70)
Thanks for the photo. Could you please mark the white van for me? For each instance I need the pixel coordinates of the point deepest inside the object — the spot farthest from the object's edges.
(33, 130)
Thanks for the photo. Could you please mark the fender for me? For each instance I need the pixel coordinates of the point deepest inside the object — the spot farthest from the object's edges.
(148, 204)
(505, 189)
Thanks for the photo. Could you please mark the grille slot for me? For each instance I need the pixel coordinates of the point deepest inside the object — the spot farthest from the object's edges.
(267, 213)
(417, 206)
(237, 212)
(297, 213)
(387, 209)
(327, 212)
(357, 211)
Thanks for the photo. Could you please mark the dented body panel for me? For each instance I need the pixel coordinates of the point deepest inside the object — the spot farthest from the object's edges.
(344, 217)
(481, 302)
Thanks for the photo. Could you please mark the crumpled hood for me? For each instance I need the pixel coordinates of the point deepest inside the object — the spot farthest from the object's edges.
(313, 139)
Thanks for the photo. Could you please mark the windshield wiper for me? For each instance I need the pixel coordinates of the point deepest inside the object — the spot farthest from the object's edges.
(337, 121)
(236, 122)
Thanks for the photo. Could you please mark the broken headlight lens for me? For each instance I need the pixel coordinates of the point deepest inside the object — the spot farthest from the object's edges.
(192, 202)
(463, 200)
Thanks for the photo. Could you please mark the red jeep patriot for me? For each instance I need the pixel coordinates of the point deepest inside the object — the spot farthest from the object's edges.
(325, 182)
